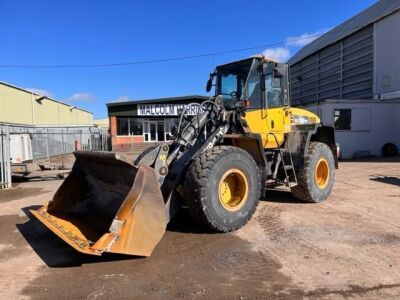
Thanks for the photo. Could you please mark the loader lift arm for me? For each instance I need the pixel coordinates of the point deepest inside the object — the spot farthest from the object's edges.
(202, 132)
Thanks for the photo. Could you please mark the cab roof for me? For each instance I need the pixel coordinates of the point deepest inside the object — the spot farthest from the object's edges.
(246, 61)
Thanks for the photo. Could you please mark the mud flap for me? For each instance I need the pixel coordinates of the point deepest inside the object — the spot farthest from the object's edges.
(107, 205)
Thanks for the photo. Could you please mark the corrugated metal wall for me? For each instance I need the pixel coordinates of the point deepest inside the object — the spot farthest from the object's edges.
(387, 55)
(343, 70)
(15, 105)
(19, 106)
(45, 112)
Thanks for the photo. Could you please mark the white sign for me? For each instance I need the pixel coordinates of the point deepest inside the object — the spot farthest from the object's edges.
(162, 109)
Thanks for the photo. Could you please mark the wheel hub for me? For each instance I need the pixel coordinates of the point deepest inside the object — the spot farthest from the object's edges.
(233, 190)
(322, 173)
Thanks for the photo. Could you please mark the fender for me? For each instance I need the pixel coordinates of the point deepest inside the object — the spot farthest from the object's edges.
(298, 141)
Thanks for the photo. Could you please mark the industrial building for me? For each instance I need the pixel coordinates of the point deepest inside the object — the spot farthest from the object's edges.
(147, 121)
(20, 106)
(350, 77)
(34, 128)
(102, 123)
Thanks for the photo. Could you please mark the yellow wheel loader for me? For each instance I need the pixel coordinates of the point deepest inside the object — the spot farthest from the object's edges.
(220, 162)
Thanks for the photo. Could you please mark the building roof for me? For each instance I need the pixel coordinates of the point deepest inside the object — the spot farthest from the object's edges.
(46, 97)
(158, 100)
(372, 14)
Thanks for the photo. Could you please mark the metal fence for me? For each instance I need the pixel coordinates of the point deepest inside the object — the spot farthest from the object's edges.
(47, 142)
(5, 169)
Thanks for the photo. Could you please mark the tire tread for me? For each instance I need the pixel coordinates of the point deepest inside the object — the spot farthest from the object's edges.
(302, 190)
(196, 187)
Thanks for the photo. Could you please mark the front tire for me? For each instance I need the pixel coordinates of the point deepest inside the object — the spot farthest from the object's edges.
(315, 180)
(222, 188)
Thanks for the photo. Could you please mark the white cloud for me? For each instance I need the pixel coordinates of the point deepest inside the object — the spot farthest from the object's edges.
(279, 54)
(282, 54)
(122, 99)
(81, 97)
(305, 38)
(40, 92)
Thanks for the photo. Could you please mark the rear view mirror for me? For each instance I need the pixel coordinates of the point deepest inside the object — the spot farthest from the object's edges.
(209, 85)
(210, 82)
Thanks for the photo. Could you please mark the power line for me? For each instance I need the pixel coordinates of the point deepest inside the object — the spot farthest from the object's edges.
(151, 61)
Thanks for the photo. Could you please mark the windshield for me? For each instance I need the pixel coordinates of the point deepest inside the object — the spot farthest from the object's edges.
(231, 85)
(241, 81)
(232, 78)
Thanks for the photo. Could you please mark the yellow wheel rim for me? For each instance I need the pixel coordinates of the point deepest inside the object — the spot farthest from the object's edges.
(233, 190)
(322, 173)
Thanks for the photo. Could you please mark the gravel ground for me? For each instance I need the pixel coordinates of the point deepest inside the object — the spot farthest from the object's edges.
(344, 248)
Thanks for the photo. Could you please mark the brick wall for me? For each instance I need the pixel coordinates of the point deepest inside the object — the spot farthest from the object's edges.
(120, 140)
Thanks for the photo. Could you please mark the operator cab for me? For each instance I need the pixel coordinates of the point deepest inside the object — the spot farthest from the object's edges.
(257, 83)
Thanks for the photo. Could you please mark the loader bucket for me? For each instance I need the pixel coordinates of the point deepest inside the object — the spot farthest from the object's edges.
(107, 205)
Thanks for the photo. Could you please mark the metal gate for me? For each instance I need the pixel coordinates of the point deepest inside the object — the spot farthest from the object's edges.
(5, 169)
(45, 143)
(52, 141)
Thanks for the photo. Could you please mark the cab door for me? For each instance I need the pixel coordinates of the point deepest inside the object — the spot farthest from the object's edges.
(276, 103)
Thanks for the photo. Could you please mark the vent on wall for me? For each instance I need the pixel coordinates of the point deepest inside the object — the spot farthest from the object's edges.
(40, 99)
(343, 70)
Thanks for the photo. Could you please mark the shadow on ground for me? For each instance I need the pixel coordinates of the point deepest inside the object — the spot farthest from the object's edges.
(57, 254)
(280, 196)
(387, 179)
(18, 179)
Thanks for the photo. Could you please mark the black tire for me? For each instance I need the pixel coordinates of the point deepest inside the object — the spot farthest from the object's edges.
(307, 189)
(389, 149)
(202, 188)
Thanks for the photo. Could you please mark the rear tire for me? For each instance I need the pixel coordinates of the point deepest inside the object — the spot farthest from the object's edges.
(222, 188)
(389, 149)
(315, 180)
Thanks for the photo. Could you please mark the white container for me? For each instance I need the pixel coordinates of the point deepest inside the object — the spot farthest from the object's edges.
(20, 148)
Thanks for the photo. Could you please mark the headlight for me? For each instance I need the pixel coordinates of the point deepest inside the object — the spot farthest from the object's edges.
(301, 120)
(296, 119)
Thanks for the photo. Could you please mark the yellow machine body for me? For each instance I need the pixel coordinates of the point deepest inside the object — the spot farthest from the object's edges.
(272, 124)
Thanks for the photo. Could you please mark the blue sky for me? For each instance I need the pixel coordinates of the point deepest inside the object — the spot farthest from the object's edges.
(99, 32)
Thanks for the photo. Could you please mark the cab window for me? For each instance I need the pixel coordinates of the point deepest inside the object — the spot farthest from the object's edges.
(273, 91)
(252, 88)
(230, 86)
(275, 94)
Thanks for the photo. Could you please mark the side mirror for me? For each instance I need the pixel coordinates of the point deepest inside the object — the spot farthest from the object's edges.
(209, 84)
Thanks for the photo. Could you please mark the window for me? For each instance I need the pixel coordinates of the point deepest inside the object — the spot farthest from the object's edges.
(122, 126)
(273, 91)
(229, 85)
(342, 119)
(129, 126)
(252, 89)
(275, 85)
(135, 127)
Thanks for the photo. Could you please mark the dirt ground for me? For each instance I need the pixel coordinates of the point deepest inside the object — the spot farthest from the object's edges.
(347, 247)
